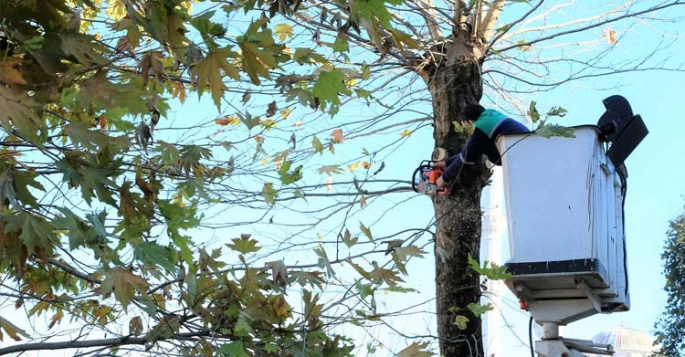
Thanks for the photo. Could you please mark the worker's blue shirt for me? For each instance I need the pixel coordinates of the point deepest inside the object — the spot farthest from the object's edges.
(489, 125)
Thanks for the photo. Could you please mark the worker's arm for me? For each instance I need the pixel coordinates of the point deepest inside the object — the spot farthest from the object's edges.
(475, 147)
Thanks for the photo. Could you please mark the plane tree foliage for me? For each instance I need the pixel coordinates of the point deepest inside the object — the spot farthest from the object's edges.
(244, 226)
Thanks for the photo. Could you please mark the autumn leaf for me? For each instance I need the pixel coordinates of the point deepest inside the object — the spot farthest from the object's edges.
(415, 350)
(406, 133)
(610, 35)
(337, 135)
(283, 31)
(124, 284)
(259, 51)
(151, 61)
(179, 91)
(8, 71)
(12, 331)
(135, 326)
(229, 120)
(330, 169)
(271, 109)
(211, 70)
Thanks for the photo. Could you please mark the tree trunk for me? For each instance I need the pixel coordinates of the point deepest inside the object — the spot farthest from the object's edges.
(454, 82)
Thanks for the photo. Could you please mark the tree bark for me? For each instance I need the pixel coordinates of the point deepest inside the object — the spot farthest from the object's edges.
(454, 81)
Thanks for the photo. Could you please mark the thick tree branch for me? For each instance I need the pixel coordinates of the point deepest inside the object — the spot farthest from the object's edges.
(486, 27)
(107, 342)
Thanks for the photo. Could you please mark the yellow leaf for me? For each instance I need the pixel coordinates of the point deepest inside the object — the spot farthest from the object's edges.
(354, 166)
(406, 133)
(283, 31)
(266, 160)
(286, 112)
(116, 10)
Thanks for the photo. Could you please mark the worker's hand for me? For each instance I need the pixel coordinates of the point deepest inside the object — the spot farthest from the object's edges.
(440, 183)
(440, 165)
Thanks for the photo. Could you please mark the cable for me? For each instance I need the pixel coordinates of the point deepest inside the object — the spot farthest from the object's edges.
(530, 336)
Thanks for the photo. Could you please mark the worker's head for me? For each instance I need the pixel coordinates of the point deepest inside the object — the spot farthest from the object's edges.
(473, 111)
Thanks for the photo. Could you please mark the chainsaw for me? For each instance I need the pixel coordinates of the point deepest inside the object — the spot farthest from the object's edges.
(425, 179)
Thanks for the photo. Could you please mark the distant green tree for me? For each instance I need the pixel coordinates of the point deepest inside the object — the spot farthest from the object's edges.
(670, 328)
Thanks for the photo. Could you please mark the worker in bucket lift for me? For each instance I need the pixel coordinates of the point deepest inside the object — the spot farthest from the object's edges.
(489, 124)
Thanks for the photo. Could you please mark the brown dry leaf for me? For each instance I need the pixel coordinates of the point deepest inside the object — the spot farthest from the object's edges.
(135, 326)
(179, 91)
(271, 110)
(124, 45)
(610, 36)
(337, 135)
(362, 202)
(152, 60)
(223, 121)
(8, 73)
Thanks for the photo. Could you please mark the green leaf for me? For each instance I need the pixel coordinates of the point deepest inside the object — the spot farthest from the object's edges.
(329, 85)
(461, 321)
(478, 309)
(211, 70)
(269, 193)
(341, 44)
(348, 239)
(318, 146)
(191, 155)
(249, 121)
(550, 130)
(557, 112)
(533, 112)
(366, 231)
(287, 176)
(330, 169)
(244, 244)
(411, 251)
(489, 269)
(154, 254)
(18, 112)
(36, 232)
(323, 262)
(233, 349)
